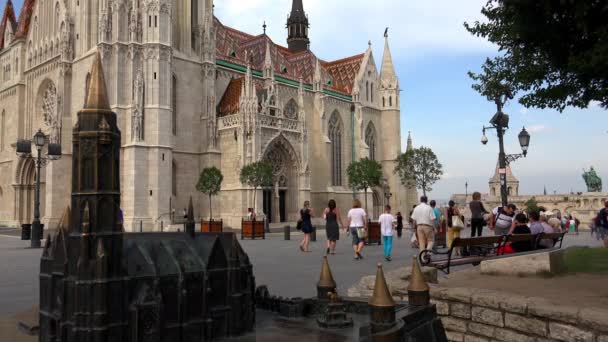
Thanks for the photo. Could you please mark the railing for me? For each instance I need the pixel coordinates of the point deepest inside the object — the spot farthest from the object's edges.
(266, 121)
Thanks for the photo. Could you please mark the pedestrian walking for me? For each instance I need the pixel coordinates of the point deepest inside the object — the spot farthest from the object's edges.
(501, 219)
(455, 223)
(423, 218)
(387, 226)
(601, 223)
(357, 223)
(438, 215)
(332, 229)
(477, 214)
(306, 215)
(399, 225)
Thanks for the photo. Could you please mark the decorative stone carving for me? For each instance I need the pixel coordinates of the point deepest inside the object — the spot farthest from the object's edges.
(66, 41)
(291, 110)
(50, 117)
(137, 118)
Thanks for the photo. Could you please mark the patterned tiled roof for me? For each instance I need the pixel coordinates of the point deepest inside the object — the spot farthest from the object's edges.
(23, 24)
(240, 48)
(229, 104)
(8, 18)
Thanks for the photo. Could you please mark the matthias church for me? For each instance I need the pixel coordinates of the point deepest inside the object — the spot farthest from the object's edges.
(190, 93)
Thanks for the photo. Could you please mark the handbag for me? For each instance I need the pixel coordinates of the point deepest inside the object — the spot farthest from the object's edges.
(299, 224)
(361, 233)
(457, 223)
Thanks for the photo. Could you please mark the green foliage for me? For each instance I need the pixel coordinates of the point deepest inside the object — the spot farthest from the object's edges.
(555, 52)
(532, 205)
(419, 168)
(256, 175)
(364, 174)
(210, 183)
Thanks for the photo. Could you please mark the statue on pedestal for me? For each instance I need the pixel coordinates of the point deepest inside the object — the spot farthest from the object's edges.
(593, 181)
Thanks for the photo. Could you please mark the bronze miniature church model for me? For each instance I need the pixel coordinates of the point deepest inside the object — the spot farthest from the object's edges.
(98, 283)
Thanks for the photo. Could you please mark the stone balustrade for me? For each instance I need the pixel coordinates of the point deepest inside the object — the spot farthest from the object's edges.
(266, 121)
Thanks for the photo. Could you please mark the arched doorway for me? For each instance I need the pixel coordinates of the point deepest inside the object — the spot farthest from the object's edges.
(25, 180)
(280, 202)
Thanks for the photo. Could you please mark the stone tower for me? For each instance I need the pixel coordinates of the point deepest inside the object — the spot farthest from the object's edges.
(297, 28)
(512, 183)
(391, 123)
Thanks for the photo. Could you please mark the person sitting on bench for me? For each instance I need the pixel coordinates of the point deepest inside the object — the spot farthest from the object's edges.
(521, 227)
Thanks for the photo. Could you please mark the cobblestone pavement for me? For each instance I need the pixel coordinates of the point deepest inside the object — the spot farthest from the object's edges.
(277, 263)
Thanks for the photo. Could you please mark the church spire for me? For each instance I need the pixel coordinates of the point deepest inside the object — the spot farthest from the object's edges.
(387, 74)
(268, 66)
(297, 28)
(410, 145)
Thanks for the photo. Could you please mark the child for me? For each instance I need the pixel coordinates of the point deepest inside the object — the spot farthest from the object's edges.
(387, 225)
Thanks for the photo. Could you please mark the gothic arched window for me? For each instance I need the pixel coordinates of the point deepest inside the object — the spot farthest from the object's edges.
(390, 101)
(291, 110)
(370, 140)
(366, 90)
(371, 90)
(335, 136)
(174, 106)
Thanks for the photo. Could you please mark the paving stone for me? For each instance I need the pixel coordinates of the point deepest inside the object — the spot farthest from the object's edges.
(542, 308)
(472, 338)
(482, 329)
(515, 304)
(454, 324)
(443, 308)
(526, 324)
(487, 316)
(460, 310)
(594, 318)
(569, 333)
(454, 336)
(511, 336)
(490, 299)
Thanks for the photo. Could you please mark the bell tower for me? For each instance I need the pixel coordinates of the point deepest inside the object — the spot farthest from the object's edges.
(297, 28)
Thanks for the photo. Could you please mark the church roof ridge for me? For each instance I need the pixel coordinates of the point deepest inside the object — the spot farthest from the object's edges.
(25, 16)
(8, 17)
(343, 60)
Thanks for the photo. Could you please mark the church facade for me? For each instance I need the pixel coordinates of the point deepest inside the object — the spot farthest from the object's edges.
(191, 92)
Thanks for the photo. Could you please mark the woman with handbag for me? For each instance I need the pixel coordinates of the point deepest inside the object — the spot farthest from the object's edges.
(357, 223)
(306, 215)
(455, 223)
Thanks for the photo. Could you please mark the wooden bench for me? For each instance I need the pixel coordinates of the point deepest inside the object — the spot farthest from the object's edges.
(480, 248)
(483, 248)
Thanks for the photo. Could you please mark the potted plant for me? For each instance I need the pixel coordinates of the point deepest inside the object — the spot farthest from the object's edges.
(256, 175)
(362, 175)
(210, 183)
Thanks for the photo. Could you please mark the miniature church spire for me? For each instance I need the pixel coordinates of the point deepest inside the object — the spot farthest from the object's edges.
(382, 296)
(297, 28)
(97, 96)
(387, 73)
(326, 282)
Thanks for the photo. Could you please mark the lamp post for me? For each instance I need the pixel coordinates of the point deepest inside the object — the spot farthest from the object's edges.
(24, 150)
(387, 191)
(466, 192)
(500, 122)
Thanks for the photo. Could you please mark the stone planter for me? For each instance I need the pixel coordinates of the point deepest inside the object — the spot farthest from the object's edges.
(252, 230)
(212, 226)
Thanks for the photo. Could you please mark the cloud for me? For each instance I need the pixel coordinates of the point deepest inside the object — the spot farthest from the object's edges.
(540, 128)
(341, 28)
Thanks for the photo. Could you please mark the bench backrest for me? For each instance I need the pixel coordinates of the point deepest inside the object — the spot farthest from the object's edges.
(521, 237)
(477, 241)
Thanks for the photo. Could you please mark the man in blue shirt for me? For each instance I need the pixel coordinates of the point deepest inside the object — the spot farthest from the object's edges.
(438, 214)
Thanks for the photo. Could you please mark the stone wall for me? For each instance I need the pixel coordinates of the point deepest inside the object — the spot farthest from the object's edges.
(473, 315)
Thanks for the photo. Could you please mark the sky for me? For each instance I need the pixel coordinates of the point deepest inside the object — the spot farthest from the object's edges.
(432, 53)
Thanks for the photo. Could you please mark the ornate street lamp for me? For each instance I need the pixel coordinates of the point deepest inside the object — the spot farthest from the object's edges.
(500, 122)
(24, 151)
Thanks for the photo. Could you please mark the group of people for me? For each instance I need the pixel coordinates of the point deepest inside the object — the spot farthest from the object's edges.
(356, 226)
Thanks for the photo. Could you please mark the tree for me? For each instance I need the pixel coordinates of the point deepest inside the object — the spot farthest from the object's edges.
(419, 168)
(210, 183)
(532, 205)
(364, 174)
(256, 175)
(555, 52)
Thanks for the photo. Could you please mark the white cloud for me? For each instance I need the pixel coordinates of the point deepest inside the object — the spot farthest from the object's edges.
(540, 128)
(341, 28)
